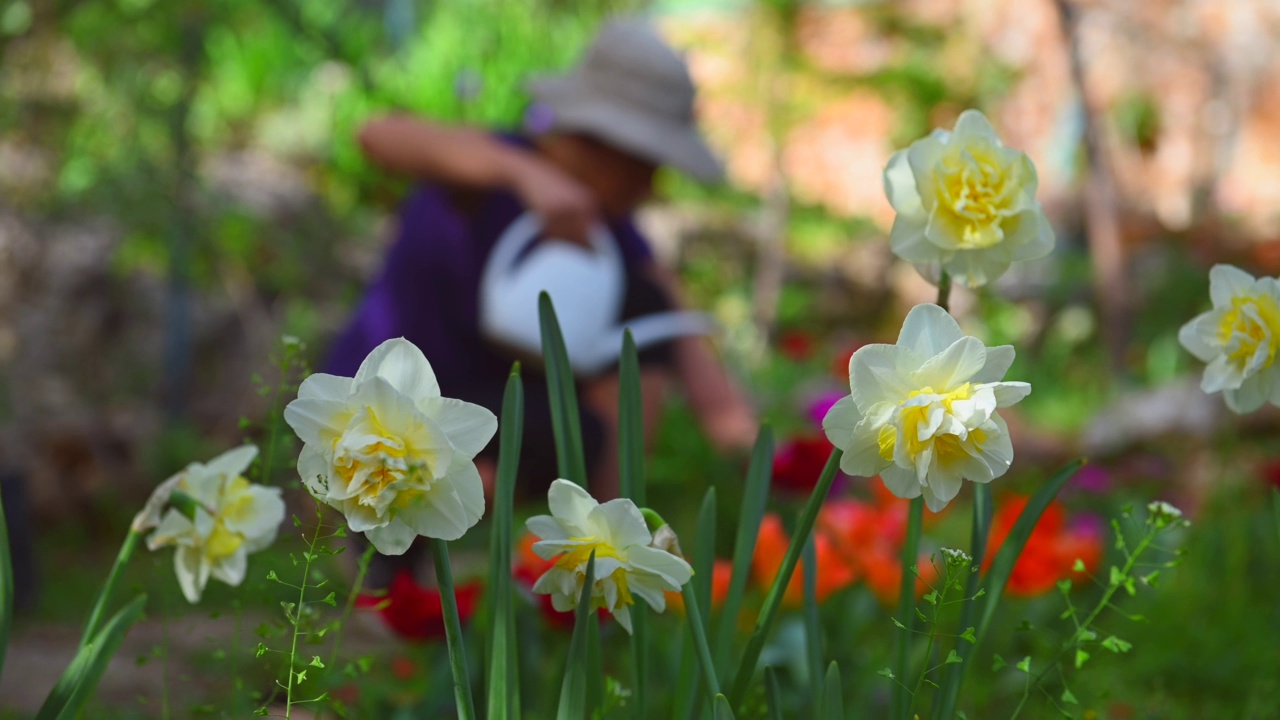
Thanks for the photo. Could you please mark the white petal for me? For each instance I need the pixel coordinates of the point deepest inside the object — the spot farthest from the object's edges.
(944, 485)
(620, 522)
(928, 330)
(900, 185)
(862, 457)
(996, 451)
(909, 240)
(469, 426)
(394, 538)
(149, 516)
(954, 366)
(1251, 395)
(314, 470)
(1009, 393)
(466, 482)
(402, 364)
(670, 569)
(999, 359)
(902, 482)
(840, 420)
(322, 386)
(880, 372)
(317, 422)
(975, 268)
(570, 502)
(231, 569)
(173, 528)
(545, 527)
(972, 124)
(1199, 336)
(260, 519)
(1220, 375)
(1226, 282)
(623, 616)
(649, 588)
(232, 463)
(1030, 236)
(192, 573)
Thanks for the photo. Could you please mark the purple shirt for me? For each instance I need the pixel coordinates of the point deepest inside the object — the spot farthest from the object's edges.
(428, 290)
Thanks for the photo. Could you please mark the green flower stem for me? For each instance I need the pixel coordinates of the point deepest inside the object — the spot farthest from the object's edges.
(453, 632)
(104, 595)
(362, 569)
(944, 291)
(928, 653)
(906, 607)
(946, 707)
(296, 618)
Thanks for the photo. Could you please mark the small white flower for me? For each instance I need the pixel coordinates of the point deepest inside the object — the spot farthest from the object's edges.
(957, 557)
(233, 519)
(922, 413)
(626, 564)
(389, 452)
(1239, 339)
(1162, 514)
(965, 204)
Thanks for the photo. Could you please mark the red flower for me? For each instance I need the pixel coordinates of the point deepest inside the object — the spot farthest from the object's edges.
(796, 345)
(1271, 473)
(415, 613)
(799, 462)
(1051, 551)
(771, 545)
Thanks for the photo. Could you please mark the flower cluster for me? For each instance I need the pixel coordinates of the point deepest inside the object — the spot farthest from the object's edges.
(227, 518)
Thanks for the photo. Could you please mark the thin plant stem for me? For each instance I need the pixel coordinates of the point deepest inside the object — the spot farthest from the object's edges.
(362, 568)
(944, 291)
(297, 619)
(164, 665)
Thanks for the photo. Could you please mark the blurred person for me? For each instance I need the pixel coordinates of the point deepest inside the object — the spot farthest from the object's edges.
(598, 135)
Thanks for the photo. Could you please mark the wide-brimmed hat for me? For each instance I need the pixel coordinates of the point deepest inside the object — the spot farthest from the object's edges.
(632, 91)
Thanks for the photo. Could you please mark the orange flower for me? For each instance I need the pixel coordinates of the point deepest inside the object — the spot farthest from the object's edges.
(1051, 550)
(721, 574)
(868, 539)
(771, 546)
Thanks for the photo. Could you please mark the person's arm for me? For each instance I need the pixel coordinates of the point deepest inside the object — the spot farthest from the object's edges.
(469, 157)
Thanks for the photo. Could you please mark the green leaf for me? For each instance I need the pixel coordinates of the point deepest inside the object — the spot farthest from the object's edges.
(70, 695)
(907, 609)
(886, 672)
(772, 693)
(755, 496)
(632, 483)
(6, 588)
(573, 689)
(99, 612)
(998, 663)
(1116, 645)
(1068, 698)
(316, 661)
(504, 667)
(1117, 577)
(1002, 565)
(897, 624)
(1081, 657)
(1078, 566)
(944, 708)
(773, 601)
(453, 631)
(722, 711)
(703, 568)
(1025, 664)
(832, 706)
(952, 657)
(968, 635)
(697, 628)
(566, 426)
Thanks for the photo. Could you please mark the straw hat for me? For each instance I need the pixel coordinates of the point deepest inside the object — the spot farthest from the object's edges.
(634, 92)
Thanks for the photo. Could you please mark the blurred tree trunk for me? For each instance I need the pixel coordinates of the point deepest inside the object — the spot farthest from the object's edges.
(1101, 223)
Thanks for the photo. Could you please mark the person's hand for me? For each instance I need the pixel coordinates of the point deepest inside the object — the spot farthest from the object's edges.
(567, 208)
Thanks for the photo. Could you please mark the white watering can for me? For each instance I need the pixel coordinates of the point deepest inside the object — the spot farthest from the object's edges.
(586, 286)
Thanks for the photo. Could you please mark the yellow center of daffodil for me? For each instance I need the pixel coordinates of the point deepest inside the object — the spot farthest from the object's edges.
(977, 191)
(222, 542)
(385, 462)
(578, 557)
(946, 447)
(1249, 323)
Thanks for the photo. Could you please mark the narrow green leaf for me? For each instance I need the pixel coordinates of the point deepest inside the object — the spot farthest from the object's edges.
(573, 690)
(812, 625)
(632, 483)
(702, 650)
(755, 496)
(907, 610)
(566, 426)
(71, 694)
(504, 664)
(6, 588)
(773, 694)
(1007, 556)
(595, 669)
(453, 631)
(704, 554)
(773, 601)
(103, 600)
(722, 710)
(832, 706)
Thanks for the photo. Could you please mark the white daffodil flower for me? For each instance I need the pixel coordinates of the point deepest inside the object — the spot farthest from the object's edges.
(233, 518)
(965, 204)
(389, 452)
(1238, 339)
(626, 563)
(922, 413)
